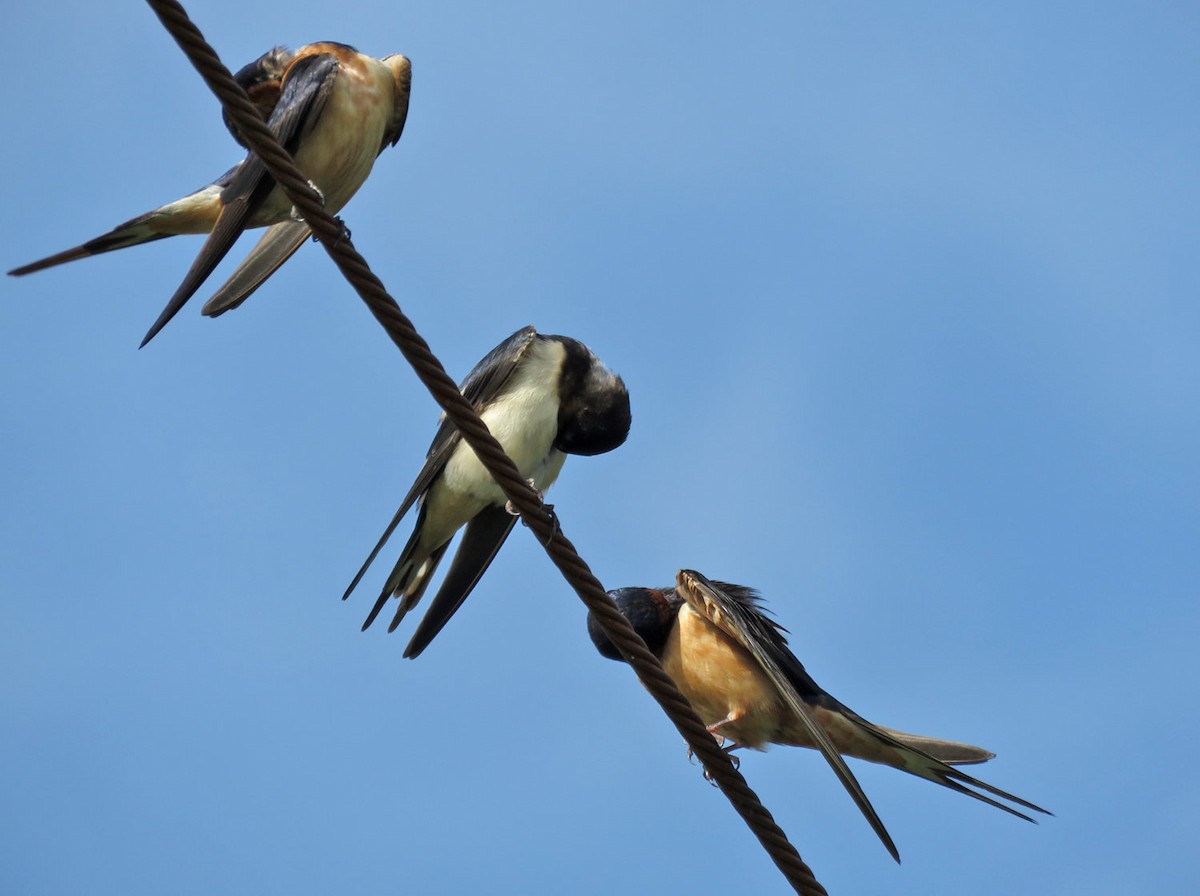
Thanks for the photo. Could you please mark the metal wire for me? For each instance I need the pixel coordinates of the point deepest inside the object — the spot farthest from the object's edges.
(548, 529)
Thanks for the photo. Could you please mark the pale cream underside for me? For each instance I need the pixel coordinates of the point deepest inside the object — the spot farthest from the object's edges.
(525, 424)
(337, 156)
(723, 681)
(339, 153)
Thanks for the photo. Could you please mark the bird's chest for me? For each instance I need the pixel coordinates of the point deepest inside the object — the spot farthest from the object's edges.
(340, 151)
(721, 680)
(525, 424)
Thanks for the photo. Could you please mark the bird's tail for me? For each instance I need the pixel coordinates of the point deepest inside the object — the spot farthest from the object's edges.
(951, 752)
(131, 233)
(191, 214)
(933, 759)
(410, 576)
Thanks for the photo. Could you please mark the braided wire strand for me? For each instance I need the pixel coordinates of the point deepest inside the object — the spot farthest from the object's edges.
(332, 235)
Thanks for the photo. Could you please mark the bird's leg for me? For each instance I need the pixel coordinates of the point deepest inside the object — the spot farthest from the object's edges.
(716, 727)
(715, 730)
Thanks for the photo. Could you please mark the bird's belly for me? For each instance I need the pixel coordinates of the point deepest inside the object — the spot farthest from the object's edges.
(465, 488)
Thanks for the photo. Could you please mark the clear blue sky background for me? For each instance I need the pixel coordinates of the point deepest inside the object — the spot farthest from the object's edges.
(907, 301)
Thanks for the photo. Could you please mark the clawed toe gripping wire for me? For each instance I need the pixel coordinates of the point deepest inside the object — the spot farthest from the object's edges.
(333, 237)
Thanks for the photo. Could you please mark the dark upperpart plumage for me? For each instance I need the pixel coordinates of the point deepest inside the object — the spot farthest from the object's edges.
(733, 664)
(544, 397)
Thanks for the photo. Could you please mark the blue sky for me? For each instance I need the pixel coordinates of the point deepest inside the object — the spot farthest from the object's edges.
(906, 300)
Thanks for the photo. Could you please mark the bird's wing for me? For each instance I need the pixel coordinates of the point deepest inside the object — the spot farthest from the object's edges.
(734, 610)
(481, 385)
(262, 80)
(277, 245)
(306, 89)
(481, 541)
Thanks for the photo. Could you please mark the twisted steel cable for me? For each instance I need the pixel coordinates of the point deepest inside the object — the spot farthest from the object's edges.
(332, 234)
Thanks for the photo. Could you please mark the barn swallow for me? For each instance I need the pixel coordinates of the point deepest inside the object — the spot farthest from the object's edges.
(734, 665)
(542, 397)
(334, 109)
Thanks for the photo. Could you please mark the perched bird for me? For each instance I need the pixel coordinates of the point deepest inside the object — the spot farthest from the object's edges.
(542, 397)
(333, 109)
(734, 666)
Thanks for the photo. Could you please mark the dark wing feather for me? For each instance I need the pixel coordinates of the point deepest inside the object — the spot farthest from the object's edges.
(481, 385)
(306, 88)
(735, 611)
(767, 631)
(488, 377)
(482, 540)
(277, 245)
(262, 80)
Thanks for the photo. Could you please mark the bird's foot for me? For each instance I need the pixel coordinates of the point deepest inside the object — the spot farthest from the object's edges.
(692, 754)
(512, 509)
(712, 779)
(708, 775)
(343, 236)
(554, 520)
(296, 216)
(554, 527)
